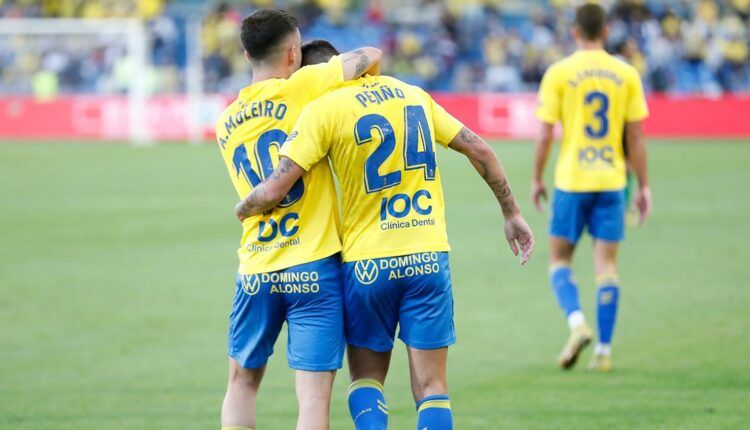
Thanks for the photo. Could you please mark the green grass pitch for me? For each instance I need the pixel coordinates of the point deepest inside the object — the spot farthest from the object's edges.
(116, 280)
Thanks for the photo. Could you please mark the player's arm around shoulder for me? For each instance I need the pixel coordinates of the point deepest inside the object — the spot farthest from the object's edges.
(483, 158)
(306, 145)
(271, 191)
(315, 80)
(361, 61)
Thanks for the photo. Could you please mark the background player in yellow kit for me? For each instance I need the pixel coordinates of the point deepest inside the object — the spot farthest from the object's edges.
(289, 263)
(381, 136)
(596, 97)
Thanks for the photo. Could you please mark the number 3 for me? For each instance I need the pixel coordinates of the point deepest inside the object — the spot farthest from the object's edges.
(600, 114)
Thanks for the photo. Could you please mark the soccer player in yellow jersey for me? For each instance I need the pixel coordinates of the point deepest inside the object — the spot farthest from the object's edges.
(596, 97)
(381, 136)
(289, 264)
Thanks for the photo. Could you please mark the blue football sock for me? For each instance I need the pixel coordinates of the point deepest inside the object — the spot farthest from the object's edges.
(606, 307)
(566, 290)
(367, 405)
(434, 413)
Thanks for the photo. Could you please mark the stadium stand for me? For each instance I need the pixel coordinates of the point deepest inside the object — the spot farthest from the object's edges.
(695, 46)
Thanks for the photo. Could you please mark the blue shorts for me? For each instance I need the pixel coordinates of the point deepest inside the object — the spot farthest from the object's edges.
(413, 291)
(308, 297)
(602, 212)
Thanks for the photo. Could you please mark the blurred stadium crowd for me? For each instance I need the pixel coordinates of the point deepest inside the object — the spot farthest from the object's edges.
(448, 45)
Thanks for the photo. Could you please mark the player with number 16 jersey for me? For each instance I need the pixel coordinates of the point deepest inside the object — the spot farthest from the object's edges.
(250, 133)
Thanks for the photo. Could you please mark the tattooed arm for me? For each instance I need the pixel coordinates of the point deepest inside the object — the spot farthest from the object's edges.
(270, 192)
(489, 168)
(517, 232)
(361, 61)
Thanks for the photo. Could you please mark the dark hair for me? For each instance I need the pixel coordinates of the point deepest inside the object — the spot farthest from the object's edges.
(317, 51)
(264, 29)
(590, 20)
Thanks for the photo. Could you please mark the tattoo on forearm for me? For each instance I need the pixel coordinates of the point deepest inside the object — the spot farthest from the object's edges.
(468, 137)
(362, 65)
(352, 55)
(257, 201)
(488, 167)
(482, 168)
(251, 204)
(285, 166)
(504, 195)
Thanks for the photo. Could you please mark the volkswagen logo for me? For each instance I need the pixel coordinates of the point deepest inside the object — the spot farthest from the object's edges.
(251, 284)
(366, 271)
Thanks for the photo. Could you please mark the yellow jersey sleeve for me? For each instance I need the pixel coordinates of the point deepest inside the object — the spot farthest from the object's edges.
(318, 79)
(446, 125)
(550, 99)
(310, 140)
(637, 110)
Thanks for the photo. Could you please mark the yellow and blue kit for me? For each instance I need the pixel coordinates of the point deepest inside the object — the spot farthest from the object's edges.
(289, 265)
(381, 136)
(593, 95)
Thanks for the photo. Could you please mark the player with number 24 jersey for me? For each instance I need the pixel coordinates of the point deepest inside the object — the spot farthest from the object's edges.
(381, 135)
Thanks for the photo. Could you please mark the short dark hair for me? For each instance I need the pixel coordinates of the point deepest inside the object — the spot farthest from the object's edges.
(590, 20)
(264, 29)
(317, 51)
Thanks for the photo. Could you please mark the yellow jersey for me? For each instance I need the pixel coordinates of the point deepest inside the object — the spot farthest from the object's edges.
(250, 132)
(380, 134)
(593, 94)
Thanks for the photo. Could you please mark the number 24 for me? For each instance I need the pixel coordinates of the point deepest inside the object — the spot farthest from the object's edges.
(417, 129)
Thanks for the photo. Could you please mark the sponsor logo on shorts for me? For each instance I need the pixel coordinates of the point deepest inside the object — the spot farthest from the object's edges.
(406, 266)
(250, 284)
(366, 271)
(292, 282)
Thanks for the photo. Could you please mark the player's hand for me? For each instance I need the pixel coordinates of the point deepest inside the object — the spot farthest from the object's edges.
(519, 235)
(643, 203)
(538, 193)
(237, 213)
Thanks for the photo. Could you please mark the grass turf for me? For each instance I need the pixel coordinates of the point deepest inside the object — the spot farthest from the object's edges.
(116, 280)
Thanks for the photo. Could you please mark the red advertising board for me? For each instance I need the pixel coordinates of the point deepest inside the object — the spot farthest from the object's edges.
(491, 115)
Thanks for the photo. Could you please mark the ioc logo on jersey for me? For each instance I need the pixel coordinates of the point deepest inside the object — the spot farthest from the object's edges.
(250, 284)
(286, 226)
(591, 154)
(366, 271)
(400, 205)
